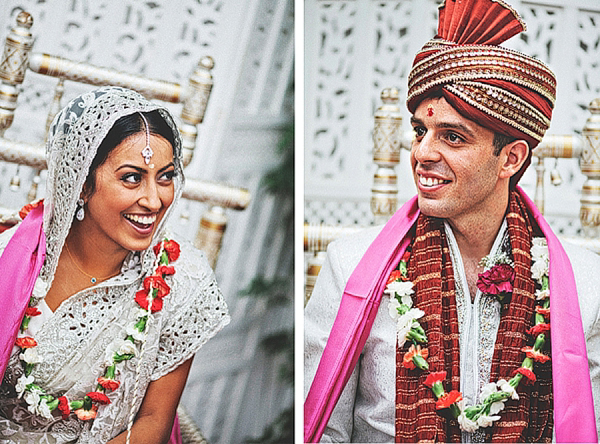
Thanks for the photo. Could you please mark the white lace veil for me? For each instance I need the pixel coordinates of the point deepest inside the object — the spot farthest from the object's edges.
(73, 140)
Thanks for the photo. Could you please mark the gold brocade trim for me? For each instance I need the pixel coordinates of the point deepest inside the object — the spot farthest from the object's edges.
(468, 67)
(444, 48)
(494, 114)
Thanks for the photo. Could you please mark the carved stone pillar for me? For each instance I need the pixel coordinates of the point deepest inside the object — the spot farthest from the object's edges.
(590, 166)
(13, 66)
(386, 154)
(194, 105)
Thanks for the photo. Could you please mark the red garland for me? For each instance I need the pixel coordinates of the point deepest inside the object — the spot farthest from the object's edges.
(158, 283)
(396, 274)
(434, 377)
(529, 375)
(32, 311)
(447, 399)
(141, 297)
(108, 384)
(411, 353)
(99, 397)
(25, 342)
(63, 406)
(538, 329)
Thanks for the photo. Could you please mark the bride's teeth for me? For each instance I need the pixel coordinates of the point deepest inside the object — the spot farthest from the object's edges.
(145, 220)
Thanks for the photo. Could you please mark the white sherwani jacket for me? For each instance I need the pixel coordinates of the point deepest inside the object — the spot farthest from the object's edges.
(366, 409)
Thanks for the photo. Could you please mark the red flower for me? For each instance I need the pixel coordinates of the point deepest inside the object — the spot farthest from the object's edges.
(108, 383)
(141, 297)
(86, 415)
(27, 208)
(535, 354)
(172, 249)
(32, 311)
(527, 373)
(63, 406)
(25, 342)
(405, 256)
(539, 328)
(434, 377)
(498, 279)
(542, 311)
(99, 397)
(158, 283)
(411, 353)
(165, 270)
(447, 399)
(396, 274)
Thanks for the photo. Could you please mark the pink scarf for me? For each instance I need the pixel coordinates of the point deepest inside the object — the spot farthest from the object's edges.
(20, 265)
(574, 418)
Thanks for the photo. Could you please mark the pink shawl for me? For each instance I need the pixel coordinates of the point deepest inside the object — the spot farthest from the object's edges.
(20, 265)
(574, 418)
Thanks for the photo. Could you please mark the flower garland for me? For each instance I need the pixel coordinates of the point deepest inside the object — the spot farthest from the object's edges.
(497, 279)
(149, 300)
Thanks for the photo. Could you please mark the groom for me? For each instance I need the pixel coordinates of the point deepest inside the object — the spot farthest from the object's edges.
(422, 324)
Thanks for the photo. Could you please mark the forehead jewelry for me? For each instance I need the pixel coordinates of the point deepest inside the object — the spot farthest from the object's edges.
(147, 151)
(429, 110)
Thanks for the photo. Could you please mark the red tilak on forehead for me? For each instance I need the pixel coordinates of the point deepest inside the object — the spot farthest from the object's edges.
(430, 110)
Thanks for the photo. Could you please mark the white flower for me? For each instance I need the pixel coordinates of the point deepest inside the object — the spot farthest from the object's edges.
(466, 424)
(486, 421)
(486, 391)
(542, 294)
(30, 356)
(539, 258)
(127, 348)
(134, 332)
(44, 410)
(40, 288)
(539, 269)
(539, 249)
(32, 397)
(22, 383)
(504, 386)
(403, 289)
(393, 308)
(405, 322)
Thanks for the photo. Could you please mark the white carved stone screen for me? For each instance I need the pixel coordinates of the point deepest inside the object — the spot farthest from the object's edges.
(233, 391)
(355, 48)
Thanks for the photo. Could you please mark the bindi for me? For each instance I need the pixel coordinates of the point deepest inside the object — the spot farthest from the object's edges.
(430, 110)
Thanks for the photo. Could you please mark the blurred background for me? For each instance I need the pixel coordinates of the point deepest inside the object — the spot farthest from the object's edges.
(240, 386)
(354, 49)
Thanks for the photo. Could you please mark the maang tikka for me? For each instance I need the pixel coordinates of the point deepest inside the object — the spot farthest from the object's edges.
(147, 151)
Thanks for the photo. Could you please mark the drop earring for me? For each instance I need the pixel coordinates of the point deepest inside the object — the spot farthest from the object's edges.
(80, 213)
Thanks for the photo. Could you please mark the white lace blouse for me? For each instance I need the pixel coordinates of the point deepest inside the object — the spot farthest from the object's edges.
(73, 342)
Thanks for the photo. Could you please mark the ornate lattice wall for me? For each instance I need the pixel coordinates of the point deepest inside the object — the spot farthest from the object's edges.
(354, 48)
(233, 390)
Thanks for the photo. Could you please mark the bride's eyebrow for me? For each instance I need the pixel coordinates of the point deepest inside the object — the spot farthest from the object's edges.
(143, 170)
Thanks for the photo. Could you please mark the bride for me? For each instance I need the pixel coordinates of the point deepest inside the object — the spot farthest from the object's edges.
(104, 311)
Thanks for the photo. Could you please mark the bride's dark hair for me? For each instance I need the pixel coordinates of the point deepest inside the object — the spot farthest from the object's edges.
(123, 128)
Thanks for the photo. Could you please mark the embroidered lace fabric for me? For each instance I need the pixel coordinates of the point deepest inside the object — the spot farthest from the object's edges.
(73, 342)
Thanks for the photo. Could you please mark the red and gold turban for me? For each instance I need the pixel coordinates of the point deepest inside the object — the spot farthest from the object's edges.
(501, 89)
